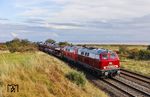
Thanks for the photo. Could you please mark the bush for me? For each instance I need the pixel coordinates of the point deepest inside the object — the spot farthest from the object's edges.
(123, 49)
(148, 48)
(64, 43)
(139, 54)
(144, 54)
(50, 41)
(133, 54)
(17, 45)
(77, 78)
(3, 47)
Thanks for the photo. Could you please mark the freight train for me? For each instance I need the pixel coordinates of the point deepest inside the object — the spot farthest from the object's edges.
(102, 62)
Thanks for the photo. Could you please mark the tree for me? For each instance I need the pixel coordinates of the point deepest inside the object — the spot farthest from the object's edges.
(64, 43)
(123, 49)
(50, 41)
(144, 54)
(3, 47)
(13, 45)
(25, 42)
(148, 48)
(133, 53)
(18, 45)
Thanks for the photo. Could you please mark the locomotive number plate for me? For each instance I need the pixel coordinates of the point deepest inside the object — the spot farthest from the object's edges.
(110, 63)
(111, 67)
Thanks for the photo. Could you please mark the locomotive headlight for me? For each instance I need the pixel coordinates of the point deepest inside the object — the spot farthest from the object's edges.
(118, 72)
(116, 66)
(104, 67)
(106, 73)
(110, 63)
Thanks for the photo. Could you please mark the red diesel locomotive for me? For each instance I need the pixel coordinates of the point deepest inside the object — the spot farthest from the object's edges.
(102, 62)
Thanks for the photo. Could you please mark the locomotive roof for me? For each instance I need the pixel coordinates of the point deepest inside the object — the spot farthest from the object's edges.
(94, 51)
(52, 44)
(72, 47)
(89, 50)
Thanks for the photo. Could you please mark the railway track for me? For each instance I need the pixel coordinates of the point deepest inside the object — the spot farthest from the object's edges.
(121, 86)
(131, 87)
(111, 89)
(137, 78)
(128, 84)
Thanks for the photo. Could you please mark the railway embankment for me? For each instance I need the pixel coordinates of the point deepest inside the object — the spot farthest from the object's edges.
(41, 75)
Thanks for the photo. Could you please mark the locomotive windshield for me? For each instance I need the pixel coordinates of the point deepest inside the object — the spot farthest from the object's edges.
(105, 56)
(109, 55)
(112, 55)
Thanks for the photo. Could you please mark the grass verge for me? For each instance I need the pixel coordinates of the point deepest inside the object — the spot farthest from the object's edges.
(138, 66)
(40, 75)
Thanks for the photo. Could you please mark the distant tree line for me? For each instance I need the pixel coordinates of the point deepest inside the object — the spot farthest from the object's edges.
(24, 45)
(65, 43)
(50, 41)
(135, 53)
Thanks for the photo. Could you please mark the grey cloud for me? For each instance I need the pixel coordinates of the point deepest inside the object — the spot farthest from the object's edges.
(24, 31)
(96, 21)
(4, 19)
(34, 20)
(85, 10)
(69, 24)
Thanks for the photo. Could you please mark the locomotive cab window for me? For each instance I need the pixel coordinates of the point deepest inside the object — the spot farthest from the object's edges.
(79, 52)
(112, 55)
(82, 53)
(86, 54)
(96, 56)
(71, 50)
(105, 56)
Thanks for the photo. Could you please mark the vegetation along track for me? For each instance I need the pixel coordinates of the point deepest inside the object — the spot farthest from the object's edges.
(127, 84)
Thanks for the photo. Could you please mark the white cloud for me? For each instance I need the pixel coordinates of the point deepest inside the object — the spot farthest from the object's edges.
(112, 17)
(85, 10)
(15, 35)
(34, 12)
(54, 35)
(55, 26)
(27, 3)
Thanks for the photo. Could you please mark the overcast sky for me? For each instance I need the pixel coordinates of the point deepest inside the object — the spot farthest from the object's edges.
(94, 21)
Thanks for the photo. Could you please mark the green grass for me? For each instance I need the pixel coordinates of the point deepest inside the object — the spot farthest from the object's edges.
(40, 75)
(138, 66)
(77, 77)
